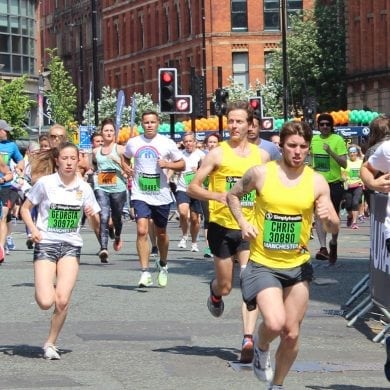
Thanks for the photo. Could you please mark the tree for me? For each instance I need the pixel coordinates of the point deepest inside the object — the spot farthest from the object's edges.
(238, 92)
(15, 105)
(62, 100)
(316, 60)
(107, 107)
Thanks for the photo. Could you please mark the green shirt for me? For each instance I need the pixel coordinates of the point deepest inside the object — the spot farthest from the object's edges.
(322, 162)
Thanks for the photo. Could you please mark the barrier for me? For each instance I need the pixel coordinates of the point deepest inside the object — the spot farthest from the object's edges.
(380, 261)
(378, 279)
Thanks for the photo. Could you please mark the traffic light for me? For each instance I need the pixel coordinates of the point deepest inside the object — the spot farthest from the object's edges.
(167, 89)
(256, 103)
(221, 98)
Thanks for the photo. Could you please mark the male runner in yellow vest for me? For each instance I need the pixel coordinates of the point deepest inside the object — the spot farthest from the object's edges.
(225, 165)
(279, 271)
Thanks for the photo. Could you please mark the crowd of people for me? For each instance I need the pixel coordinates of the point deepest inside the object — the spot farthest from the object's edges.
(258, 199)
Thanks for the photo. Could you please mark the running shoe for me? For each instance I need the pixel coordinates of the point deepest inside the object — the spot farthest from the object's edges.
(194, 247)
(322, 254)
(154, 251)
(349, 221)
(10, 243)
(215, 304)
(262, 364)
(117, 245)
(275, 387)
(162, 277)
(207, 253)
(354, 226)
(145, 279)
(51, 352)
(361, 218)
(6, 249)
(247, 350)
(183, 243)
(103, 256)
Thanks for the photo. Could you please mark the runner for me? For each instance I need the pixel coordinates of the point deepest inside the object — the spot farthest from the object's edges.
(224, 165)
(277, 277)
(151, 197)
(110, 187)
(61, 199)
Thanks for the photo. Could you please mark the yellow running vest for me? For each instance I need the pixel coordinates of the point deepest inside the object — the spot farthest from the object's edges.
(232, 168)
(283, 217)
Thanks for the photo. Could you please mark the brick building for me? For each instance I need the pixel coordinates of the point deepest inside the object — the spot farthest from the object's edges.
(368, 54)
(192, 36)
(138, 37)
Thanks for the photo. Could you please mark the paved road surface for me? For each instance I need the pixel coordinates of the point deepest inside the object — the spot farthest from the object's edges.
(120, 337)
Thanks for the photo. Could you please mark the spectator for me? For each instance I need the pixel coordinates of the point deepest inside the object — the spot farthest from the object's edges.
(328, 155)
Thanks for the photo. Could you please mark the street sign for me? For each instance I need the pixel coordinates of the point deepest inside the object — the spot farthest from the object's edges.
(184, 104)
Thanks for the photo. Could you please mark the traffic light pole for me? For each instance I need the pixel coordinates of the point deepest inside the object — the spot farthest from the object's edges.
(220, 120)
(172, 126)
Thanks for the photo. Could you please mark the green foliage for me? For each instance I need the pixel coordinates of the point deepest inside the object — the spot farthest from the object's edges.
(107, 107)
(62, 96)
(238, 92)
(15, 105)
(316, 61)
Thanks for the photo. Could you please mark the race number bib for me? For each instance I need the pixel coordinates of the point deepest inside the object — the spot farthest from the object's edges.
(247, 200)
(107, 178)
(282, 232)
(63, 218)
(188, 177)
(148, 182)
(354, 173)
(321, 162)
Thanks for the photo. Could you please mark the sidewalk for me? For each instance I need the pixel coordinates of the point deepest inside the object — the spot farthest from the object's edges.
(120, 337)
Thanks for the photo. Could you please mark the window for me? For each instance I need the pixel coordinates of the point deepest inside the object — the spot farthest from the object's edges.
(239, 15)
(240, 69)
(272, 12)
(267, 63)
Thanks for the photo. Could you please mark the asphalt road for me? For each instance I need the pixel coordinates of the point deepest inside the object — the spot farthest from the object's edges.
(118, 336)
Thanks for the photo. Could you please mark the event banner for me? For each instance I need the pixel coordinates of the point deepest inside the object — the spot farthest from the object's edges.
(379, 257)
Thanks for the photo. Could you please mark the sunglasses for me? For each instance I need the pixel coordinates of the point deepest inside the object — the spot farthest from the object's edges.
(324, 124)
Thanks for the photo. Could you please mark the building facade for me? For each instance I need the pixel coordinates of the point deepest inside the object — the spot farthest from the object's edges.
(18, 50)
(73, 27)
(368, 54)
(216, 39)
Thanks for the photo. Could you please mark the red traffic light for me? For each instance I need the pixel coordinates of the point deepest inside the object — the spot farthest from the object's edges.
(255, 103)
(167, 77)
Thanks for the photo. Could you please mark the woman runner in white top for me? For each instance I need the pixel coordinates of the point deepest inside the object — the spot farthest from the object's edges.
(61, 199)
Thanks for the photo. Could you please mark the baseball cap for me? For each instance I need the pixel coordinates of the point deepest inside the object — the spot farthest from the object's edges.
(4, 125)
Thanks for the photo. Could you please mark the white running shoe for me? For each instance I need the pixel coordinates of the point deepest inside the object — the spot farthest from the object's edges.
(183, 243)
(162, 277)
(262, 364)
(145, 279)
(194, 247)
(51, 352)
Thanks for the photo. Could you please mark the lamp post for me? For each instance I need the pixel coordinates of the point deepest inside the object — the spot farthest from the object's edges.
(81, 70)
(284, 57)
(95, 62)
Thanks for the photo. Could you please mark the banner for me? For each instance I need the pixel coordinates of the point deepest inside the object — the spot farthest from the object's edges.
(120, 103)
(379, 257)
